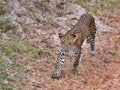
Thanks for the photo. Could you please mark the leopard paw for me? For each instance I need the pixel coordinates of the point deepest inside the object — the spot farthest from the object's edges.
(56, 75)
(75, 71)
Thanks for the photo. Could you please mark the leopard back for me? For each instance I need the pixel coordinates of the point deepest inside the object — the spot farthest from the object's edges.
(84, 28)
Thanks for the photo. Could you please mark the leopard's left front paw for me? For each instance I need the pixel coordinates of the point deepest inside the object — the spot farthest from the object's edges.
(75, 71)
(56, 74)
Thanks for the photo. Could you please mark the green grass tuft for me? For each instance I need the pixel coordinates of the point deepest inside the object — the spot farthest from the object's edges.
(4, 9)
(20, 46)
(3, 63)
(95, 10)
(6, 25)
(3, 76)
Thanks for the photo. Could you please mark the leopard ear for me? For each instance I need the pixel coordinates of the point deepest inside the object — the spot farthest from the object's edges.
(60, 35)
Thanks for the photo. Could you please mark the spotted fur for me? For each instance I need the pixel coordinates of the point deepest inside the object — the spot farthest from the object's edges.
(84, 29)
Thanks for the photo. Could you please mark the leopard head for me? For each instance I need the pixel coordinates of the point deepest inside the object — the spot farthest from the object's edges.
(67, 40)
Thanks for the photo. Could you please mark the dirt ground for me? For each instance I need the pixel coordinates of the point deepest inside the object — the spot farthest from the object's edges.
(99, 72)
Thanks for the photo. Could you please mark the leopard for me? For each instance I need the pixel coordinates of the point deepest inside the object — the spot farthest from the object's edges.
(84, 29)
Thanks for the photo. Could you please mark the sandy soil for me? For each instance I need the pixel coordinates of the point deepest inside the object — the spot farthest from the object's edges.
(100, 72)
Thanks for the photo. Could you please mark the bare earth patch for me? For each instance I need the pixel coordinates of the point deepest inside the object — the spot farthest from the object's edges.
(100, 72)
(40, 26)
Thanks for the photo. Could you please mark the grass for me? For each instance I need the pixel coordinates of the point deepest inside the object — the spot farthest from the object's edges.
(83, 3)
(98, 7)
(95, 10)
(30, 14)
(25, 28)
(19, 46)
(3, 86)
(105, 10)
(6, 25)
(41, 5)
(8, 50)
(3, 76)
(114, 53)
(3, 63)
(4, 9)
(11, 45)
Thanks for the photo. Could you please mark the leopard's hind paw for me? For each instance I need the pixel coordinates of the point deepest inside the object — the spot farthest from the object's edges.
(93, 53)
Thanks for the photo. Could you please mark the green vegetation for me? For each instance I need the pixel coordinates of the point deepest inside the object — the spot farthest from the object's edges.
(6, 25)
(83, 3)
(97, 6)
(24, 28)
(10, 46)
(114, 53)
(3, 9)
(3, 63)
(3, 76)
(95, 10)
(14, 44)
(30, 14)
(17, 45)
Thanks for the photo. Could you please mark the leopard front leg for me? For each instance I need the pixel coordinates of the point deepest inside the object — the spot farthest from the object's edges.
(77, 60)
(60, 63)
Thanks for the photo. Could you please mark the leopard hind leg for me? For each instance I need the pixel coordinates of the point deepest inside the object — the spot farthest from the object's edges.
(92, 43)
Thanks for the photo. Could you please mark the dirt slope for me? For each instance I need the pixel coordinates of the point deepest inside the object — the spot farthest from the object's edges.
(100, 72)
